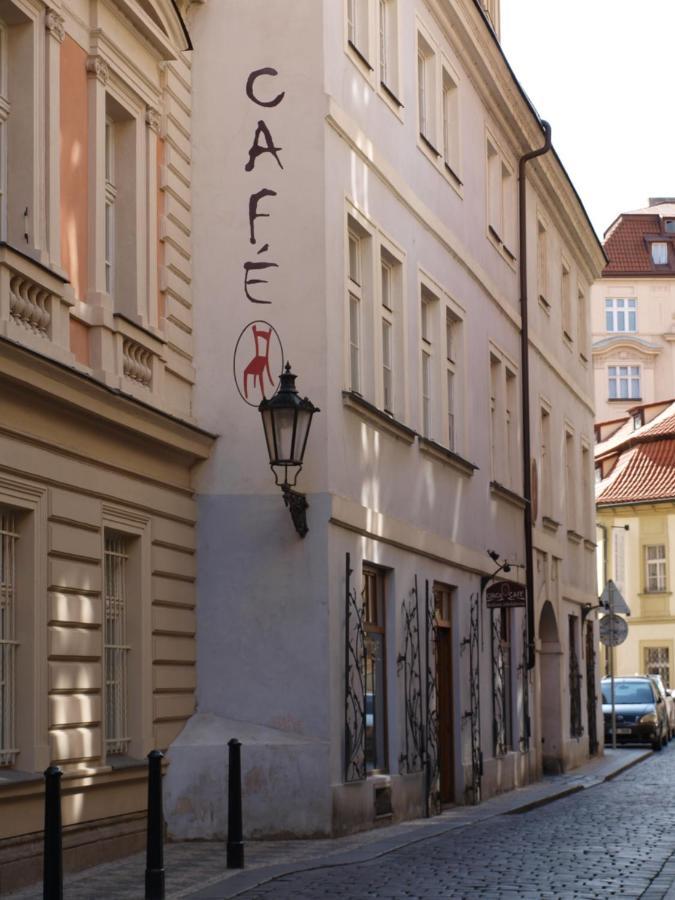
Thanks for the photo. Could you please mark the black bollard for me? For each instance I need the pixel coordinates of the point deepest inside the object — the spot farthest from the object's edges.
(235, 831)
(154, 856)
(52, 873)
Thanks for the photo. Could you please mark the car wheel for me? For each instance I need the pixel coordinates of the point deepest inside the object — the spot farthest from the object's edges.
(656, 745)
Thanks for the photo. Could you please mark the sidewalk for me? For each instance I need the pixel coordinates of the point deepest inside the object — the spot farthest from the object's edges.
(197, 869)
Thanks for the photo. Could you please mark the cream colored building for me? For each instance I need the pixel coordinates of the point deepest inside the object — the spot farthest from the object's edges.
(633, 311)
(98, 436)
(635, 460)
(356, 212)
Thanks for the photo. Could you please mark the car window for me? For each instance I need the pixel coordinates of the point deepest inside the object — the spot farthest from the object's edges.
(630, 692)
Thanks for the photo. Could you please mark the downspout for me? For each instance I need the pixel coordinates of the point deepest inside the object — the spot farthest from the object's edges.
(525, 365)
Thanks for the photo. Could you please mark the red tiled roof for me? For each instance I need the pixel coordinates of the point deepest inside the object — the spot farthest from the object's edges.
(647, 472)
(626, 248)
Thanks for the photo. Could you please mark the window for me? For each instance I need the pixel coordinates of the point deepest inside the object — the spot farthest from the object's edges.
(660, 253)
(576, 727)
(355, 292)
(669, 226)
(503, 422)
(619, 555)
(501, 199)
(571, 486)
(502, 667)
(510, 418)
(452, 326)
(8, 637)
(621, 314)
(655, 568)
(374, 628)
(427, 311)
(387, 335)
(587, 494)
(566, 301)
(357, 26)
(426, 89)
(388, 45)
(450, 124)
(546, 492)
(542, 264)
(110, 196)
(657, 662)
(624, 382)
(495, 378)
(116, 646)
(582, 325)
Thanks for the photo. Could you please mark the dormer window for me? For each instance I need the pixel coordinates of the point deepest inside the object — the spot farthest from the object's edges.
(638, 419)
(660, 253)
(669, 226)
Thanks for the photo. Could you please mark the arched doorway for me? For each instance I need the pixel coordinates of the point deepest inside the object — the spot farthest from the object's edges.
(550, 693)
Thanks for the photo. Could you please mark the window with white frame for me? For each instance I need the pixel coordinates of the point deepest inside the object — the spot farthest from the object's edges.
(357, 25)
(450, 123)
(624, 382)
(546, 491)
(116, 644)
(582, 324)
(660, 253)
(542, 264)
(501, 198)
(388, 45)
(452, 350)
(586, 492)
(428, 303)
(511, 427)
(655, 568)
(571, 487)
(110, 197)
(566, 300)
(426, 89)
(621, 314)
(8, 637)
(389, 278)
(495, 398)
(619, 557)
(355, 295)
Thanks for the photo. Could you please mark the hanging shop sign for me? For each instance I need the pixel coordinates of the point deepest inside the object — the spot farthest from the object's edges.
(505, 594)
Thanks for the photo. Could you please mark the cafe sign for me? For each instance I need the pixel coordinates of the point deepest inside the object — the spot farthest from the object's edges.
(506, 594)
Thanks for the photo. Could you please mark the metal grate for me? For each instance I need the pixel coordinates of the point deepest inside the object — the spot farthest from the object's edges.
(116, 645)
(8, 642)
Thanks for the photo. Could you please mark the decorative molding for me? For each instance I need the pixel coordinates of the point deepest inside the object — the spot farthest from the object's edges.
(55, 25)
(97, 67)
(449, 457)
(29, 305)
(153, 118)
(137, 362)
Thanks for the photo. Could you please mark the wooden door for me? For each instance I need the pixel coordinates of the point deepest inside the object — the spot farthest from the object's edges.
(445, 730)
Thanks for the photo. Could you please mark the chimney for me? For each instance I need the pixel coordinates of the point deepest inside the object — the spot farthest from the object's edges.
(659, 201)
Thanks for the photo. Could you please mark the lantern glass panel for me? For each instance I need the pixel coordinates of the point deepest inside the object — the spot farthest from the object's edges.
(284, 422)
(304, 421)
(268, 426)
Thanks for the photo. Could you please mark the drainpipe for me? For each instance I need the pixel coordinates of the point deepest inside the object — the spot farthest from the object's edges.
(525, 365)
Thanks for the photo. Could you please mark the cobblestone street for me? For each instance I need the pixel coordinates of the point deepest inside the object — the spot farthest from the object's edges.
(616, 839)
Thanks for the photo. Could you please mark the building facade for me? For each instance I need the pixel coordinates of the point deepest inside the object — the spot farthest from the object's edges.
(361, 221)
(98, 436)
(633, 309)
(635, 468)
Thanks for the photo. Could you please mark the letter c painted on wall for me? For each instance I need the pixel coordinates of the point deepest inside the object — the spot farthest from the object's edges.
(250, 82)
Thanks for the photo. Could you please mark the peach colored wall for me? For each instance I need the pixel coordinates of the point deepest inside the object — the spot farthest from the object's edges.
(74, 175)
(161, 296)
(79, 341)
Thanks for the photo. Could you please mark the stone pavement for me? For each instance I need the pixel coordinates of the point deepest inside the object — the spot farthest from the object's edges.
(613, 840)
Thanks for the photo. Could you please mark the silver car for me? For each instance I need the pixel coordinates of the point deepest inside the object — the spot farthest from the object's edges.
(670, 703)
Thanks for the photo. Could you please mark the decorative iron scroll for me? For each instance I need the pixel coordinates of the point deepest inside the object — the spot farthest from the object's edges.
(409, 664)
(498, 686)
(525, 683)
(432, 768)
(576, 726)
(472, 715)
(355, 682)
(591, 696)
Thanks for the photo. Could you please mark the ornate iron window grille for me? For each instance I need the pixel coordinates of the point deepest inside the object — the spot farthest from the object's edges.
(409, 664)
(355, 682)
(472, 715)
(576, 726)
(591, 696)
(433, 774)
(498, 686)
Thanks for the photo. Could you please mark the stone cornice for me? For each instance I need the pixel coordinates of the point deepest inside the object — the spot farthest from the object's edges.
(55, 25)
(97, 68)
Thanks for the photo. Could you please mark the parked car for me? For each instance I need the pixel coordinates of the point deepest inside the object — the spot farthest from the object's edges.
(670, 703)
(641, 714)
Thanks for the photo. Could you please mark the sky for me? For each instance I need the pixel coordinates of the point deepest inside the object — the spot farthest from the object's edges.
(601, 72)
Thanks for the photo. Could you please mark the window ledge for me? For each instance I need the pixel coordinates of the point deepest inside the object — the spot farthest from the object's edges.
(381, 419)
(545, 305)
(590, 545)
(624, 399)
(550, 524)
(655, 594)
(429, 146)
(574, 536)
(437, 451)
(355, 50)
(116, 762)
(451, 172)
(391, 95)
(504, 493)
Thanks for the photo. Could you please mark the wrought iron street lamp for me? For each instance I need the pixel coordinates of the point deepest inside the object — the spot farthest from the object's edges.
(287, 418)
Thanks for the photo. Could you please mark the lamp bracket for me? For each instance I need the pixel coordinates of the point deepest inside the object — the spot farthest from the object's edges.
(298, 506)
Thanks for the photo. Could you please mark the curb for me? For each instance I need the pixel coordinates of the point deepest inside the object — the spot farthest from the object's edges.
(241, 883)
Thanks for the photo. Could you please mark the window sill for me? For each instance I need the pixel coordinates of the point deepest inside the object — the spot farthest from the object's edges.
(550, 524)
(360, 57)
(381, 419)
(591, 546)
(504, 493)
(453, 175)
(449, 457)
(624, 399)
(495, 239)
(391, 96)
(429, 146)
(545, 305)
(574, 536)
(655, 594)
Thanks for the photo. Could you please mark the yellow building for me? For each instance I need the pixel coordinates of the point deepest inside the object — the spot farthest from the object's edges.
(635, 495)
(97, 440)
